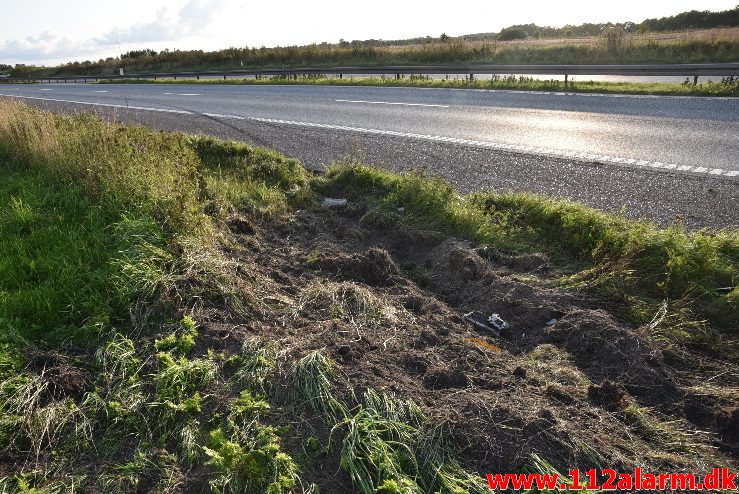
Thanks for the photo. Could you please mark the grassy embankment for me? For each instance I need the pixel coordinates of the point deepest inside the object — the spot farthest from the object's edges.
(111, 256)
(729, 87)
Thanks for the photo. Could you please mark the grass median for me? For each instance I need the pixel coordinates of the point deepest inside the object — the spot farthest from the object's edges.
(181, 314)
(729, 87)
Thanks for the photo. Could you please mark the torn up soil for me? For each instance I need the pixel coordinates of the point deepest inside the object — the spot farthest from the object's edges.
(567, 379)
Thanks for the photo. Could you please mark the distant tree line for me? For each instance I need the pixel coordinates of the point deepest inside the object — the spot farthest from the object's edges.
(694, 19)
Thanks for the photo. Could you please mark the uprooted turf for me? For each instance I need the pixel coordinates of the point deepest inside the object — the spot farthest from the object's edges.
(180, 314)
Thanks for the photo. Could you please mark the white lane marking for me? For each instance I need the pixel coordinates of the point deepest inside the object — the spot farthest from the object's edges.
(44, 89)
(101, 91)
(388, 103)
(466, 142)
(657, 165)
(183, 94)
(218, 115)
(107, 105)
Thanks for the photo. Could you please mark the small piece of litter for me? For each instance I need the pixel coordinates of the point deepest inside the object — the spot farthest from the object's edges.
(401, 210)
(483, 344)
(491, 323)
(479, 320)
(497, 322)
(551, 322)
(725, 290)
(328, 202)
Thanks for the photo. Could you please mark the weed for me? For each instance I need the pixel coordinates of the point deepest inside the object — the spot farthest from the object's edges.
(345, 300)
(256, 366)
(312, 378)
(387, 449)
(246, 455)
(179, 378)
(182, 340)
(189, 447)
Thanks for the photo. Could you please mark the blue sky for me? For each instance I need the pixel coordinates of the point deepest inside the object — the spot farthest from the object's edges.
(51, 31)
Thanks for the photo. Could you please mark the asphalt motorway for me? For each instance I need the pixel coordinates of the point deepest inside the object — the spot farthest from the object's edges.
(661, 158)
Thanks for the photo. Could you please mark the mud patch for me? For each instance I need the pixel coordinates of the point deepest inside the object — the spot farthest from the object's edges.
(374, 267)
(63, 378)
(604, 349)
(610, 395)
(549, 389)
(441, 378)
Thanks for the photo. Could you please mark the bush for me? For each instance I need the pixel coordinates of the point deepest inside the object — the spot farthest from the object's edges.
(511, 33)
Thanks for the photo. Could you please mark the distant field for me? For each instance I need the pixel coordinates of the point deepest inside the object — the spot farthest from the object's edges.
(702, 35)
(700, 46)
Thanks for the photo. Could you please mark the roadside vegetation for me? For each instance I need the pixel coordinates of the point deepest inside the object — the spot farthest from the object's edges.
(181, 314)
(729, 86)
(610, 46)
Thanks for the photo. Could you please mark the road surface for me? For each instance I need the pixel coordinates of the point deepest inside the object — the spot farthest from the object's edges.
(662, 158)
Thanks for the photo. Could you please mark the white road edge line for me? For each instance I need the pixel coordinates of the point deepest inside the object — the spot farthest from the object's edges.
(107, 105)
(572, 155)
(388, 103)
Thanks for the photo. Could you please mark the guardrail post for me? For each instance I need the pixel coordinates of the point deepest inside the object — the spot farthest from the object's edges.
(341, 76)
(566, 77)
(197, 77)
(695, 80)
(224, 77)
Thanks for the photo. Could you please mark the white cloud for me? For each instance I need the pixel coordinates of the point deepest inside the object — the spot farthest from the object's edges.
(191, 19)
(48, 45)
(169, 26)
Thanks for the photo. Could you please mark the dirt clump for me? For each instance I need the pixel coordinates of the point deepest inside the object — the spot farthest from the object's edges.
(373, 267)
(457, 260)
(604, 349)
(559, 393)
(442, 378)
(519, 371)
(241, 226)
(530, 263)
(608, 394)
(728, 423)
(63, 378)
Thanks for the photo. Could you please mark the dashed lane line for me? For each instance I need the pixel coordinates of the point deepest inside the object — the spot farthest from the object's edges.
(388, 103)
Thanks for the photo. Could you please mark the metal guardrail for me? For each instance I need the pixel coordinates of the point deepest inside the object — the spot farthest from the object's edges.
(694, 70)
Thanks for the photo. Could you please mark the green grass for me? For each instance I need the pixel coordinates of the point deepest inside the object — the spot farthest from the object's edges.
(728, 88)
(62, 256)
(103, 232)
